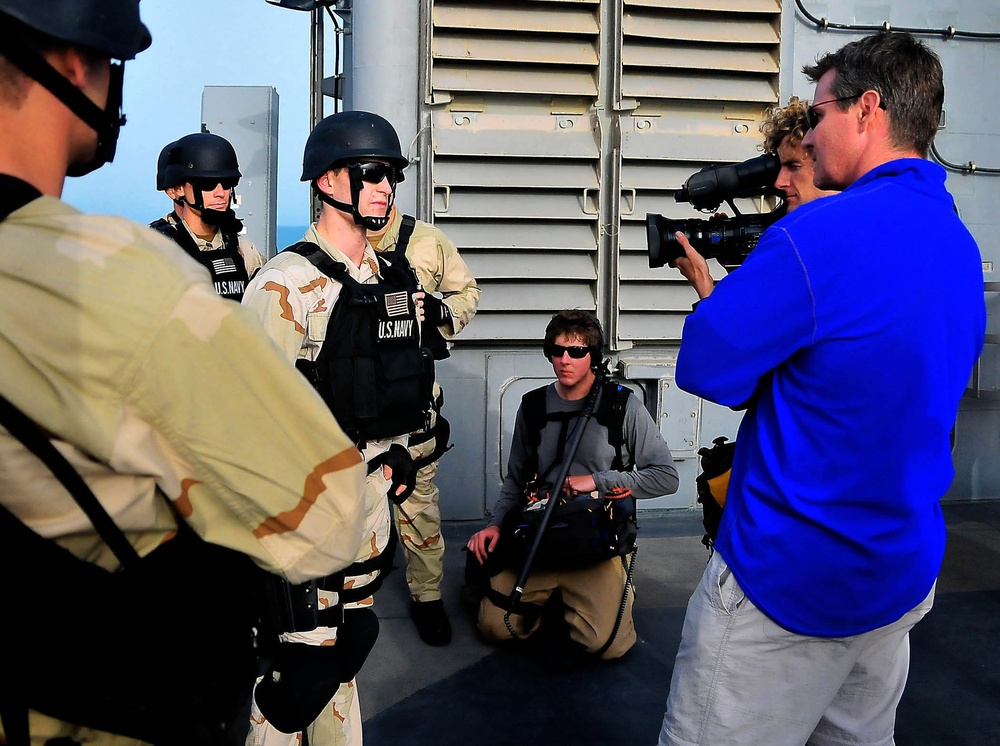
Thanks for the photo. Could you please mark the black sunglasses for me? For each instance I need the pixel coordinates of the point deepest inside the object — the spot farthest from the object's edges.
(208, 185)
(812, 119)
(373, 172)
(576, 352)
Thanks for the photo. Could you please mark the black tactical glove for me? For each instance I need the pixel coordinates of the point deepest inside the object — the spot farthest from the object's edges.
(404, 471)
(435, 311)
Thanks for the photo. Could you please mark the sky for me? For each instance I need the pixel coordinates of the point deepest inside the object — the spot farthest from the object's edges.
(198, 43)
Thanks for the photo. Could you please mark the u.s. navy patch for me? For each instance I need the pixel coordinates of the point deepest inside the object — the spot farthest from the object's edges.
(398, 329)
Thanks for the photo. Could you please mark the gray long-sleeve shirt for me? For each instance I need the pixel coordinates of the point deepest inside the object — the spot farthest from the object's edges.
(649, 469)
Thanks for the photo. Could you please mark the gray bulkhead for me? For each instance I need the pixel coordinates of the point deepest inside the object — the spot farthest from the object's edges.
(542, 132)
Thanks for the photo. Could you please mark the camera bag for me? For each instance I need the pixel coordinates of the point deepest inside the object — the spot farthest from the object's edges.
(588, 529)
(712, 484)
(581, 532)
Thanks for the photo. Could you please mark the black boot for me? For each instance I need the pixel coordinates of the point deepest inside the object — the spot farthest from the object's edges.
(432, 623)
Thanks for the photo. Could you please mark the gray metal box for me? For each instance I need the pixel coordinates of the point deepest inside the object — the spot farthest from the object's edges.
(247, 116)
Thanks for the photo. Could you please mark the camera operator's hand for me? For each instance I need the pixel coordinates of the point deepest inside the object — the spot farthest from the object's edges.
(694, 267)
(728, 267)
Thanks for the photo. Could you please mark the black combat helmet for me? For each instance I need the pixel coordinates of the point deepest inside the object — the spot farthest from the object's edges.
(109, 27)
(350, 136)
(205, 160)
(347, 139)
(201, 155)
(161, 167)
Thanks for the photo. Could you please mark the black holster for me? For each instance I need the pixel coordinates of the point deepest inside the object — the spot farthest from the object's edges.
(302, 679)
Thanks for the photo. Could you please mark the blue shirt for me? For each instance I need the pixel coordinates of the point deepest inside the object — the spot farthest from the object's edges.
(851, 329)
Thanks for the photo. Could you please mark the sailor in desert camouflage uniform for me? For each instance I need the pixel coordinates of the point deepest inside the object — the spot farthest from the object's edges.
(345, 316)
(199, 172)
(116, 344)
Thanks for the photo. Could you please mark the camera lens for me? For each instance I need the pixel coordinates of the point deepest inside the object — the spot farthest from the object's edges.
(729, 240)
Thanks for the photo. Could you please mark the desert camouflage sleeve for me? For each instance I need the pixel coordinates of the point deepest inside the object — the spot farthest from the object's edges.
(441, 269)
(164, 386)
(252, 259)
(265, 450)
(281, 299)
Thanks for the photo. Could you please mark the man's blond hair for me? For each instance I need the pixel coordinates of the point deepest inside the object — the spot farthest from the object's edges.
(788, 121)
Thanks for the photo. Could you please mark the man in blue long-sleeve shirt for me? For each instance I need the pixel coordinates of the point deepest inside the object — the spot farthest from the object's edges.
(849, 335)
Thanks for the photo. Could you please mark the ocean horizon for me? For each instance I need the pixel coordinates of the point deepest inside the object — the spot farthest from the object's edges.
(286, 235)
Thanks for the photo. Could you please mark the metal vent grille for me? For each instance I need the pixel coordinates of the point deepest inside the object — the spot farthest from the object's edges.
(516, 158)
(557, 124)
(695, 80)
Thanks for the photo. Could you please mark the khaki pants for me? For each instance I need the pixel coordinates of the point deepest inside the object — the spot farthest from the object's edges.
(592, 598)
(739, 678)
(42, 728)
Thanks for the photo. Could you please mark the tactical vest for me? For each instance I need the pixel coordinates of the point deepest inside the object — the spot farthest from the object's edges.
(610, 413)
(226, 265)
(372, 371)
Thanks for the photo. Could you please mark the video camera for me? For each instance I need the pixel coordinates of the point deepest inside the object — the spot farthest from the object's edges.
(728, 239)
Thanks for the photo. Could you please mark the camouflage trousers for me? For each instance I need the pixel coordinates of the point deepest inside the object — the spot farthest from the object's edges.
(339, 724)
(418, 521)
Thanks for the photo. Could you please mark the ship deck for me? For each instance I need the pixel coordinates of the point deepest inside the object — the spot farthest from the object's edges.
(472, 692)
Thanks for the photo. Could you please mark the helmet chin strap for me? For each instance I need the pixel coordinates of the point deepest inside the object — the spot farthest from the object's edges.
(221, 218)
(106, 122)
(218, 218)
(371, 222)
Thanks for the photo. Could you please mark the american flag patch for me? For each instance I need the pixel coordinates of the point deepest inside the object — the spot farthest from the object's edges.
(396, 304)
(223, 266)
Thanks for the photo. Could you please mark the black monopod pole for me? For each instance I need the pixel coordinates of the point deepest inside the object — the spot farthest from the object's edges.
(557, 486)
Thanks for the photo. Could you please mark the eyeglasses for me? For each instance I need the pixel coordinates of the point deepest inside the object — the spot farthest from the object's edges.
(576, 352)
(208, 185)
(812, 119)
(373, 172)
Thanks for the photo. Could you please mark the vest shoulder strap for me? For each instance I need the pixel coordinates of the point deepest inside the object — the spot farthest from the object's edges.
(323, 262)
(610, 413)
(20, 426)
(533, 407)
(179, 235)
(405, 232)
(14, 194)
(164, 226)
